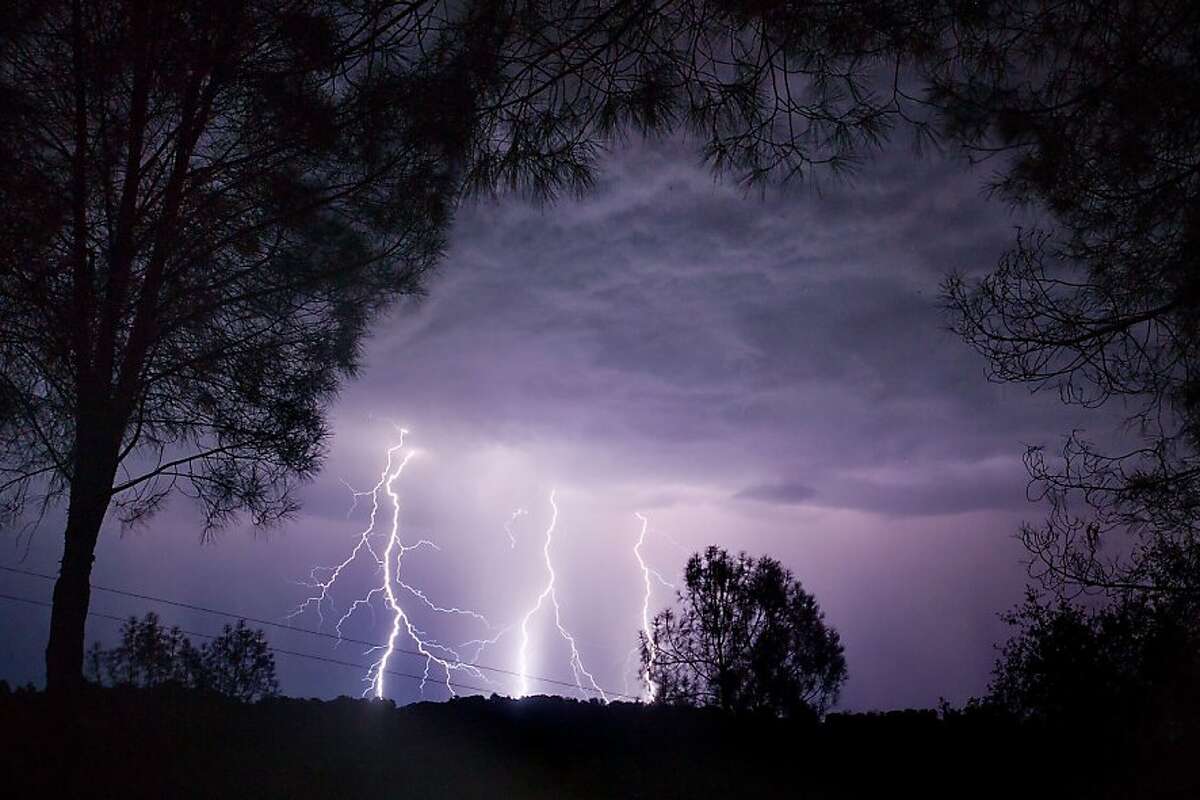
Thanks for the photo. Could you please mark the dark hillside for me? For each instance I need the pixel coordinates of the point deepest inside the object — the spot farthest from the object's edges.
(140, 743)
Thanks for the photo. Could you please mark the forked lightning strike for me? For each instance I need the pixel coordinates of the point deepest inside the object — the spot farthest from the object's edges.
(576, 661)
(389, 561)
(651, 689)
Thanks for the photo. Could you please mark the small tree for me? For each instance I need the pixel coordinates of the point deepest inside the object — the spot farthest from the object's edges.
(1119, 684)
(237, 664)
(1065, 662)
(148, 655)
(746, 637)
(1095, 667)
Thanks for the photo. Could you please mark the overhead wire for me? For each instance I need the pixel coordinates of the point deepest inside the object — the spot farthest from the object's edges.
(272, 648)
(307, 631)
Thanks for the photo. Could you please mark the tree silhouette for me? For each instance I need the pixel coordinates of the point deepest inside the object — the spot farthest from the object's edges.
(1119, 681)
(217, 197)
(746, 637)
(208, 202)
(1094, 107)
(237, 664)
(148, 655)
(1066, 663)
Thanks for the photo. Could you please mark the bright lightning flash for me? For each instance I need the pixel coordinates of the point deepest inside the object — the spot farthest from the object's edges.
(389, 560)
(576, 661)
(647, 573)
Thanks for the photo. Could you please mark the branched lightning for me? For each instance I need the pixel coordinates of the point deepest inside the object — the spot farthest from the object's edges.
(549, 592)
(512, 538)
(651, 689)
(382, 544)
(389, 561)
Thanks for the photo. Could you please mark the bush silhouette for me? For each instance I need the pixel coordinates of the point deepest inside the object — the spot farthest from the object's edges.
(237, 664)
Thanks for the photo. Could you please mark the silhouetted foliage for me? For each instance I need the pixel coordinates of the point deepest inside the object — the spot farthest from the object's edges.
(1069, 663)
(1064, 657)
(207, 202)
(1121, 679)
(746, 637)
(212, 211)
(148, 655)
(1093, 106)
(154, 743)
(237, 664)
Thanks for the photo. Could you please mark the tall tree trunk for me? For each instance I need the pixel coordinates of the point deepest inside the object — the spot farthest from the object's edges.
(91, 490)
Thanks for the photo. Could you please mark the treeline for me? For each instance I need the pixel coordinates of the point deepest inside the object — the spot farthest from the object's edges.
(1114, 685)
(237, 664)
(168, 742)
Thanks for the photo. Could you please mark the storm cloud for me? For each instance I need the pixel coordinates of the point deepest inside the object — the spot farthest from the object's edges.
(768, 371)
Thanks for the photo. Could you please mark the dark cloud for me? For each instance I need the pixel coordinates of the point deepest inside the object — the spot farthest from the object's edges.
(935, 493)
(778, 493)
(657, 342)
(770, 372)
(946, 489)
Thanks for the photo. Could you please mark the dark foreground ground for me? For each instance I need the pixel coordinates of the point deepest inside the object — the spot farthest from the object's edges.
(141, 743)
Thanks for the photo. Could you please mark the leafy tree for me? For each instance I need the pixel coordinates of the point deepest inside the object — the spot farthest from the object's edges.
(746, 637)
(213, 199)
(237, 664)
(207, 202)
(1068, 663)
(148, 655)
(1093, 106)
(1117, 684)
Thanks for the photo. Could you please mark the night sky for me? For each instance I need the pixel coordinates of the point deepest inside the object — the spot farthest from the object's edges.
(763, 371)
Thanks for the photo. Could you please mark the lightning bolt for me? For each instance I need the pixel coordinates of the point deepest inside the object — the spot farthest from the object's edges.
(576, 661)
(389, 560)
(512, 539)
(647, 573)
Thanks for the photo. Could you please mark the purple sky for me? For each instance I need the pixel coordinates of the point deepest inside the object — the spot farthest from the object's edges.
(767, 372)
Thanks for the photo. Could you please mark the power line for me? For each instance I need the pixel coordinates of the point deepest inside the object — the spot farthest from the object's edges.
(296, 629)
(309, 631)
(280, 650)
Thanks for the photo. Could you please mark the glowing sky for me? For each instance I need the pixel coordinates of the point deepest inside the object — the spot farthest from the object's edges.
(768, 372)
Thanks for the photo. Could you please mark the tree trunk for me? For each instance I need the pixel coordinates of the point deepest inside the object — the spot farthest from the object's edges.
(90, 494)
